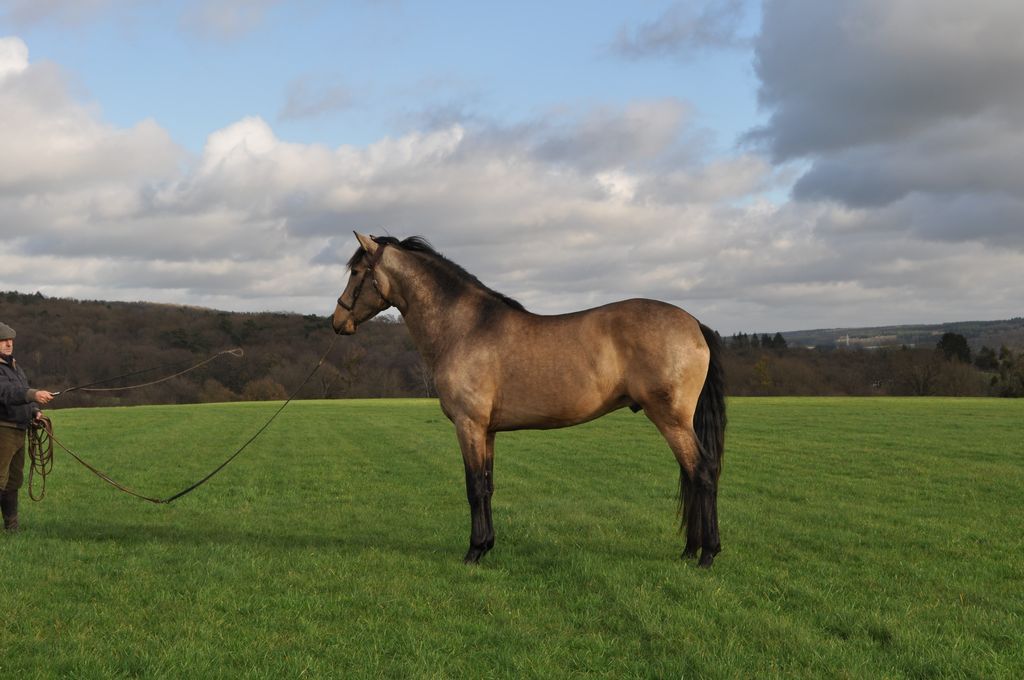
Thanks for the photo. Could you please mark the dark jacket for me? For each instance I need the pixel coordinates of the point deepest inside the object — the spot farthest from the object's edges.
(16, 405)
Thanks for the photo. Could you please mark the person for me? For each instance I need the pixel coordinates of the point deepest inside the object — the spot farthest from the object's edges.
(19, 406)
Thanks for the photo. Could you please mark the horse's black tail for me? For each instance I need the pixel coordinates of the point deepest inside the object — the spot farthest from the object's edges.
(708, 421)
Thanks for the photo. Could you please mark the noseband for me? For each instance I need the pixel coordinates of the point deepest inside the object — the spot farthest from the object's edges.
(370, 266)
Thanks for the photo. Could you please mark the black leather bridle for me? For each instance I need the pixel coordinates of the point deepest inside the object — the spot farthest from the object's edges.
(370, 266)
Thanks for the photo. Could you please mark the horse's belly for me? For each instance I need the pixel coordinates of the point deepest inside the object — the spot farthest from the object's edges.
(551, 403)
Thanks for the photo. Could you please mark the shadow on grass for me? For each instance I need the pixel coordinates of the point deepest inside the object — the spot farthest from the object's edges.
(436, 546)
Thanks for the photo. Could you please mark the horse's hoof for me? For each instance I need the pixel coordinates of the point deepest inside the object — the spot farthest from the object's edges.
(689, 554)
(706, 560)
(473, 556)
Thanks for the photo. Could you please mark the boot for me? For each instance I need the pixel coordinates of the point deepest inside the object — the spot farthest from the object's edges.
(9, 508)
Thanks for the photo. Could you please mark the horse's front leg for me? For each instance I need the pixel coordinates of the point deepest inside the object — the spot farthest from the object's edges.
(489, 457)
(477, 455)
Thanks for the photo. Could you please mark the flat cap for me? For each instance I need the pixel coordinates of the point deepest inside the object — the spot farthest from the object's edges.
(6, 332)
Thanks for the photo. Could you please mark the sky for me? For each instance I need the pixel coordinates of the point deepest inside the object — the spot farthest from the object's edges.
(777, 165)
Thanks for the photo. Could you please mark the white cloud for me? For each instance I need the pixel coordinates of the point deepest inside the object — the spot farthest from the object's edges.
(563, 210)
(13, 56)
(550, 209)
(48, 140)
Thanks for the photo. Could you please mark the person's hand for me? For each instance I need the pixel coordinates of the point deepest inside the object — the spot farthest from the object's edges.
(43, 397)
(39, 415)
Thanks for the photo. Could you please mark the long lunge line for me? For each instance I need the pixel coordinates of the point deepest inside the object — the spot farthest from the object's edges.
(89, 387)
(47, 432)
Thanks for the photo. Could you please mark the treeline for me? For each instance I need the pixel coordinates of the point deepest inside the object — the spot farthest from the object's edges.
(766, 366)
(63, 343)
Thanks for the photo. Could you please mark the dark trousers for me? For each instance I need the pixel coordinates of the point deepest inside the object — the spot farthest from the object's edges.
(12, 458)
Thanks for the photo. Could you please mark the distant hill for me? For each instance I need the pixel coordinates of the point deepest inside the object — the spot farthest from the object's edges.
(63, 343)
(994, 334)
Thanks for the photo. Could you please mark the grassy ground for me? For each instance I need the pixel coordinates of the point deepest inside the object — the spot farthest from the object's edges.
(862, 538)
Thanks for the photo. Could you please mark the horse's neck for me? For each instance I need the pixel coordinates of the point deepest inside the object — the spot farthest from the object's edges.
(433, 323)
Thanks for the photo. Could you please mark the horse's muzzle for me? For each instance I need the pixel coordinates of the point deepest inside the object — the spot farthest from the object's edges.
(346, 327)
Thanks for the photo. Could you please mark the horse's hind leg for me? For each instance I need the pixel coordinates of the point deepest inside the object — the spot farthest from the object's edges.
(691, 512)
(697, 483)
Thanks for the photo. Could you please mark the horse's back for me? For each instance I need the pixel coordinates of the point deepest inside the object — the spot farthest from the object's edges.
(630, 331)
(636, 327)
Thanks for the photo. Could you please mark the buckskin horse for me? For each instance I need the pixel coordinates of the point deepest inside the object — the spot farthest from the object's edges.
(498, 367)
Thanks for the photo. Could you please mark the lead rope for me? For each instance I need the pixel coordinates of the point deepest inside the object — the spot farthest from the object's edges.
(47, 439)
(88, 387)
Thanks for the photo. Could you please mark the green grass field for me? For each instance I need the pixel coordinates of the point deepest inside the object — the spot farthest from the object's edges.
(863, 538)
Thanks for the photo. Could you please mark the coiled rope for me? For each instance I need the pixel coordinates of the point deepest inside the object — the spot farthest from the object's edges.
(40, 453)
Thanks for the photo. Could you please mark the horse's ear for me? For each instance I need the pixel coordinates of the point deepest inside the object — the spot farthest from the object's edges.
(367, 242)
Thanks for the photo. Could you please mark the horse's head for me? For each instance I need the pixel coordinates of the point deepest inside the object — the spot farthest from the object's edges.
(365, 295)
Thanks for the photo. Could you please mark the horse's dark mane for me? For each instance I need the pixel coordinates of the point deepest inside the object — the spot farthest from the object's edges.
(448, 269)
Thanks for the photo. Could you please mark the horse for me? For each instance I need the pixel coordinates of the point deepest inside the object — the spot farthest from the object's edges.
(498, 367)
